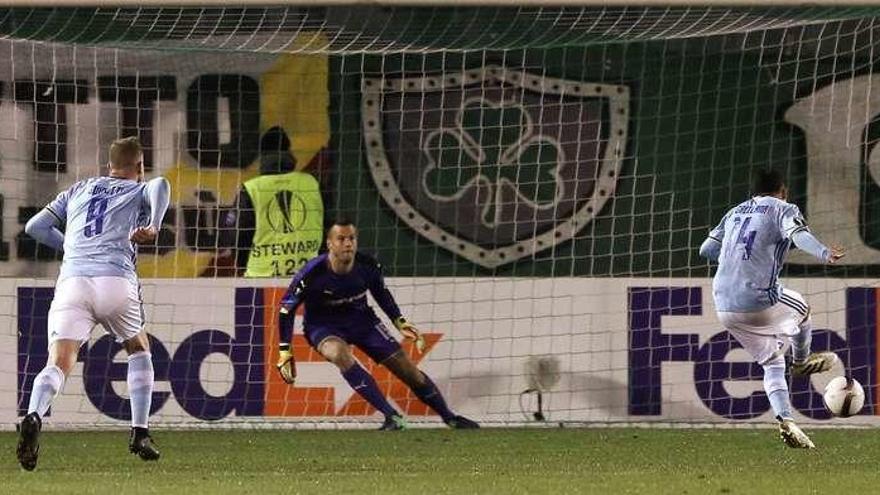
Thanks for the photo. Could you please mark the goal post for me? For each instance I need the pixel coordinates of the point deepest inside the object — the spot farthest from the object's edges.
(535, 181)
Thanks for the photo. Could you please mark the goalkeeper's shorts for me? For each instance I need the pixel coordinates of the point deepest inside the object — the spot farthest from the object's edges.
(372, 337)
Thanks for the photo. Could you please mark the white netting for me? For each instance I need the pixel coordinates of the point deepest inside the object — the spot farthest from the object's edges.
(535, 180)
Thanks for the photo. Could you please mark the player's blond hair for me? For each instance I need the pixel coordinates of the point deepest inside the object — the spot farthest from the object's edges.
(125, 152)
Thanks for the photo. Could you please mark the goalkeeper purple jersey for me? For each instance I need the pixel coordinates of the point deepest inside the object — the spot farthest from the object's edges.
(336, 299)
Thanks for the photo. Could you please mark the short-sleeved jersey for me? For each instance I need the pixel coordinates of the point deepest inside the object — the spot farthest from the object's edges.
(755, 237)
(339, 300)
(99, 214)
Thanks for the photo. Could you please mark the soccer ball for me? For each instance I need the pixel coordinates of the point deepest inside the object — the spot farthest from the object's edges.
(844, 396)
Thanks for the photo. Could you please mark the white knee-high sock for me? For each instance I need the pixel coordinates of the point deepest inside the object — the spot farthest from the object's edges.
(777, 389)
(140, 387)
(47, 384)
(802, 340)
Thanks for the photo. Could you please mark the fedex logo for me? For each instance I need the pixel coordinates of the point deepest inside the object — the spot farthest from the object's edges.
(256, 389)
(650, 347)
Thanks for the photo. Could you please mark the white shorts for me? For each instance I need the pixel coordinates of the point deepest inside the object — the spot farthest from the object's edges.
(765, 334)
(82, 302)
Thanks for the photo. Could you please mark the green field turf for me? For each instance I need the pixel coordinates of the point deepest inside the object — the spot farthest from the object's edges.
(572, 460)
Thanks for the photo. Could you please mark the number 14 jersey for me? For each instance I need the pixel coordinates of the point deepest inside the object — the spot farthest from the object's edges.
(97, 216)
(755, 237)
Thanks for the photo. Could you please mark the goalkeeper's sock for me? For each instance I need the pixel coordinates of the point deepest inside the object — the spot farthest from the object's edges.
(430, 395)
(802, 340)
(363, 384)
(140, 387)
(47, 384)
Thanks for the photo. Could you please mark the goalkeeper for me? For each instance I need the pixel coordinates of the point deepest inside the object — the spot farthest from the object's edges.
(333, 286)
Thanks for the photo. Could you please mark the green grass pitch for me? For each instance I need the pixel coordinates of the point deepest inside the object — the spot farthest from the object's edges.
(570, 460)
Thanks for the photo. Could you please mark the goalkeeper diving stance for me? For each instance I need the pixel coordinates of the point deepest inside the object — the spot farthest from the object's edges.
(750, 245)
(333, 287)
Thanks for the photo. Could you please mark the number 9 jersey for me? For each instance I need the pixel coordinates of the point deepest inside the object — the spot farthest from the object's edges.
(754, 238)
(98, 215)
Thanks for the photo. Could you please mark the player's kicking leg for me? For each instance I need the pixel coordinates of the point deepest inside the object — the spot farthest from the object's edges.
(425, 389)
(768, 351)
(140, 390)
(47, 385)
(338, 352)
(803, 361)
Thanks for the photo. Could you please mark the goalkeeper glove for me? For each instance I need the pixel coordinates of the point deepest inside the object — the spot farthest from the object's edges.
(409, 331)
(286, 365)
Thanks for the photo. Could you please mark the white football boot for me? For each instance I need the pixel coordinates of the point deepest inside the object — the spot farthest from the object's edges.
(793, 436)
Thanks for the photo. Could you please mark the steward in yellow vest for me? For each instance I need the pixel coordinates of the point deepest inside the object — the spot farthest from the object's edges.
(279, 220)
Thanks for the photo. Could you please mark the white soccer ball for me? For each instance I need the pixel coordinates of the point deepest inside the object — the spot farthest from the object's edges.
(844, 396)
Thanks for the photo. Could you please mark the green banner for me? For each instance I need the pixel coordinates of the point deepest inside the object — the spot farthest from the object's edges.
(701, 116)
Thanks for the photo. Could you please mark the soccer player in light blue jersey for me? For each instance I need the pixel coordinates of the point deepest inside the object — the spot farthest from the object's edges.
(103, 220)
(750, 245)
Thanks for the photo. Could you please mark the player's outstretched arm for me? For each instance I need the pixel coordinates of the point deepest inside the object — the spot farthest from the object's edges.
(806, 241)
(389, 306)
(44, 228)
(710, 249)
(837, 252)
(793, 226)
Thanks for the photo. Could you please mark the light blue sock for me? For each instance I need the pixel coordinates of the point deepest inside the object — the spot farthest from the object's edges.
(140, 387)
(781, 404)
(777, 389)
(47, 384)
(802, 340)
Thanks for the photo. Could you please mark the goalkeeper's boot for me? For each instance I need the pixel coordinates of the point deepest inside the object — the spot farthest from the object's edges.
(818, 362)
(461, 423)
(141, 444)
(394, 423)
(29, 441)
(793, 436)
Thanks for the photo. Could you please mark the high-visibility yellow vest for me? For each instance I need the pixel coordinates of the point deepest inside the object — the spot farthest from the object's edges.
(289, 226)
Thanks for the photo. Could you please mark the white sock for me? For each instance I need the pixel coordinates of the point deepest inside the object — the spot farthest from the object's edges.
(777, 389)
(802, 340)
(140, 387)
(47, 384)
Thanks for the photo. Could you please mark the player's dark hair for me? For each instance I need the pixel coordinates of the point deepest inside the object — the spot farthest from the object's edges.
(767, 182)
(340, 222)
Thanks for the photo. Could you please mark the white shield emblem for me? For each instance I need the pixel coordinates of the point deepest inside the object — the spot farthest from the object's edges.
(494, 164)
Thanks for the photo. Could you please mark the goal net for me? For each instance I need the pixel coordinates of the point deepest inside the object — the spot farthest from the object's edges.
(535, 181)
